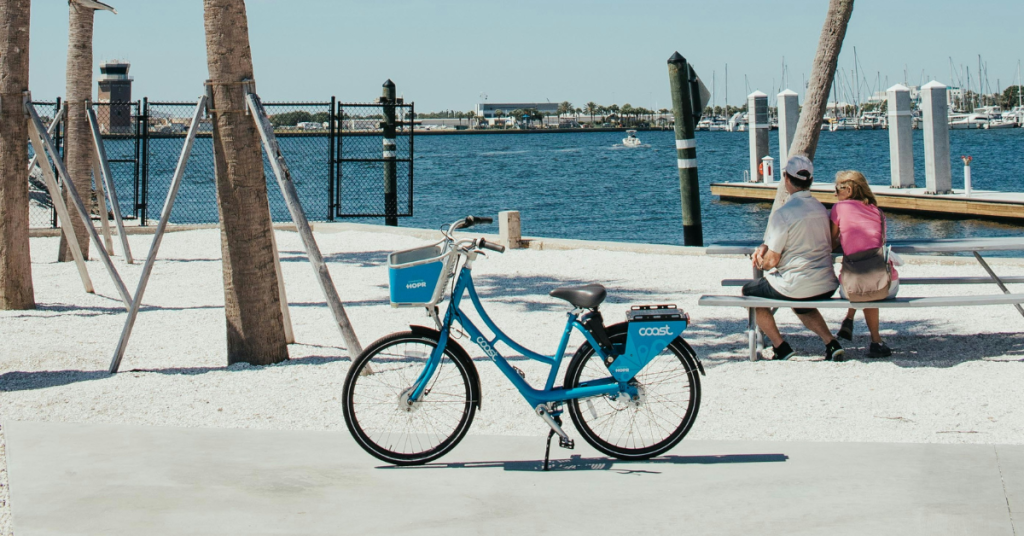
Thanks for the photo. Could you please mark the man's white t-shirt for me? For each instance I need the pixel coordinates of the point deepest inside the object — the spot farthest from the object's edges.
(799, 230)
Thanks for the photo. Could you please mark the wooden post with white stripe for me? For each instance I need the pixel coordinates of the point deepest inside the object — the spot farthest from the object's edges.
(680, 76)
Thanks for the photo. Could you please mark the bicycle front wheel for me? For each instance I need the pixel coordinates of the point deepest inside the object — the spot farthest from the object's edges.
(378, 411)
(669, 399)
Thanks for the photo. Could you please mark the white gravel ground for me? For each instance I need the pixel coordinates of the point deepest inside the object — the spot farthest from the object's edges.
(954, 377)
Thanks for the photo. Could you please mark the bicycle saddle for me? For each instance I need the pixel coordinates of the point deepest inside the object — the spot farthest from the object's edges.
(586, 296)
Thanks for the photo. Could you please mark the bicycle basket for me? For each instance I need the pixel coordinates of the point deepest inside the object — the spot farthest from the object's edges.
(417, 277)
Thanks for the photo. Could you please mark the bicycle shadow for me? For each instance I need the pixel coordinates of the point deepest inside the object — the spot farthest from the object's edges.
(577, 462)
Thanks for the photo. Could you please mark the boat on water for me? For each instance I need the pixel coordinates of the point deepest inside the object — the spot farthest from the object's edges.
(631, 140)
(714, 124)
(871, 121)
(737, 123)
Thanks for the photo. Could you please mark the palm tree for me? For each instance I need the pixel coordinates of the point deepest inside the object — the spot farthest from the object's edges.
(78, 152)
(16, 290)
(591, 108)
(471, 115)
(255, 327)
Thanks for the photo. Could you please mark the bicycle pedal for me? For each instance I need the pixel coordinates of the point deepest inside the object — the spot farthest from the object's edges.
(521, 373)
(566, 443)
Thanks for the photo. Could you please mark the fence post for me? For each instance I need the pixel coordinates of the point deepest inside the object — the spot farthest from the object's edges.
(680, 75)
(789, 116)
(757, 124)
(390, 180)
(330, 159)
(901, 136)
(937, 168)
(142, 206)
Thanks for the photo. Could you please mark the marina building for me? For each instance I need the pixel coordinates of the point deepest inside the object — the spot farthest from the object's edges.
(486, 109)
(115, 87)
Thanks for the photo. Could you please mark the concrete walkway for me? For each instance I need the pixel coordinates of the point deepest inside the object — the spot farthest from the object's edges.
(117, 479)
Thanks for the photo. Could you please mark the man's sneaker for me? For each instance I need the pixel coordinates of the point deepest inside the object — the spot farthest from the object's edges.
(834, 352)
(846, 330)
(879, 349)
(782, 352)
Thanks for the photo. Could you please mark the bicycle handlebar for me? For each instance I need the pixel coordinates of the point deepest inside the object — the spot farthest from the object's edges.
(491, 246)
(476, 220)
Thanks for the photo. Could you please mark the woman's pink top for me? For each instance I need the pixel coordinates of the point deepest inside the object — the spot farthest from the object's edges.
(860, 227)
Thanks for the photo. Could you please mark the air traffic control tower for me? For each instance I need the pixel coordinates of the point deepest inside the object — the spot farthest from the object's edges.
(116, 89)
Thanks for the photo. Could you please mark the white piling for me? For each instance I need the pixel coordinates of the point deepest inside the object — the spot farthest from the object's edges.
(509, 229)
(789, 116)
(967, 175)
(901, 136)
(937, 170)
(757, 124)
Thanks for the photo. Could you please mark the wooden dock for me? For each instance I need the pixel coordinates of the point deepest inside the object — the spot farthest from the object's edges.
(986, 204)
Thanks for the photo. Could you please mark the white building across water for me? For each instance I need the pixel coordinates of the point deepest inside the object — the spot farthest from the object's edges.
(487, 109)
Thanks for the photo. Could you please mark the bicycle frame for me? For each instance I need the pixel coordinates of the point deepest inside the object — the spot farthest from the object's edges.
(535, 397)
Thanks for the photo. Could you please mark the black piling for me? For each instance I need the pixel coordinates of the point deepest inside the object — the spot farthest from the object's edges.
(390, 178)
(682, 80)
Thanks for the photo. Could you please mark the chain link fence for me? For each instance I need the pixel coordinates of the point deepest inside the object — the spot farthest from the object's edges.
(337, 166)
(360, 170)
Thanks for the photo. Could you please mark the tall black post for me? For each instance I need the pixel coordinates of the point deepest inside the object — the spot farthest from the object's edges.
(681, 76)
(390, 179)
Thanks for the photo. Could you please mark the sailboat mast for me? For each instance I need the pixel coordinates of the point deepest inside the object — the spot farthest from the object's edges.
(727, 89)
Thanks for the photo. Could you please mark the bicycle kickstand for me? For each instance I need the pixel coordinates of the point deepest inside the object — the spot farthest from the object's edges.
(547, 449)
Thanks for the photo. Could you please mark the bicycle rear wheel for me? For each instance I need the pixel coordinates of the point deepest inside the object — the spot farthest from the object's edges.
(376, 406)
(637, 429)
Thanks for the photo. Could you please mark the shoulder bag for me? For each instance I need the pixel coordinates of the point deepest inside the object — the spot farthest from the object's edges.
(867, 274)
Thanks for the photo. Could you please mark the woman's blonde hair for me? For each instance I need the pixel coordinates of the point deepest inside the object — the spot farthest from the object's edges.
(858, 186)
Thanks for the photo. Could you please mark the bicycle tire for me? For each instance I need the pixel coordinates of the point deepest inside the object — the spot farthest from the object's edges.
(408, 435)
(622, 441)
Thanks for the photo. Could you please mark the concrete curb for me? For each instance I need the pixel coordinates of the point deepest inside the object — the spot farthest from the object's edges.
(533, 242)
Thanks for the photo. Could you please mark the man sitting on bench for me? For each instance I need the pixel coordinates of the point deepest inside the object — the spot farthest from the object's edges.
(798, 244)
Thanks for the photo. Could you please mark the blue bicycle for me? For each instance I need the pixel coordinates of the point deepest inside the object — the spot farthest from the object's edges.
(632, 388)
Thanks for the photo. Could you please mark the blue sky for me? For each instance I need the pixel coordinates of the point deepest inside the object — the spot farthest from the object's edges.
(444, 54)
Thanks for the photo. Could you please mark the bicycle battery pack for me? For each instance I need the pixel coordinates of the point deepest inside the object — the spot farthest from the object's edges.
(651, 329)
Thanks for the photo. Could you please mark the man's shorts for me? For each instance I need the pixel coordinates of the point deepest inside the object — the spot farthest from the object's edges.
(762, 289)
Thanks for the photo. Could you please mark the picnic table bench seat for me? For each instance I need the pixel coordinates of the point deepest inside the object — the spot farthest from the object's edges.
(916, 281)
(837, 303)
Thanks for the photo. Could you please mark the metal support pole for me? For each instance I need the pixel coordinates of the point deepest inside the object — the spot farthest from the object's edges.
(755, 339)
(680, 76)
(937, 168)
(995, 278)
(165, 216)
(901, 136)
(390, 171)
(101, 201)
(62, 210)
(291, 198)
(286, 315)
(104, 165)
(331, 133)
(51, 131)
(142, 206)
(37, 125)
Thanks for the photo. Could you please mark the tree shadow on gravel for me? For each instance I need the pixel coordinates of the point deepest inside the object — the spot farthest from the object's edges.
(524, 290)
(65, 309)
(915, 343)
(362, 259)
(577, 462)
(43, 379)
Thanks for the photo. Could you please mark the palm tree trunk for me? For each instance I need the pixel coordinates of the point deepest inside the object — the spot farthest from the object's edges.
(16, 290)
(808, 129)
(805, 141)
(255, 326)
(78, 150)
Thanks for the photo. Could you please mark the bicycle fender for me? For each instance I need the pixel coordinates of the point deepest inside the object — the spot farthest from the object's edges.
(459, 351)
(693, 354)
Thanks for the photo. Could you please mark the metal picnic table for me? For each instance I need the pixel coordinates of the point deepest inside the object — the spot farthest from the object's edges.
(975, 246)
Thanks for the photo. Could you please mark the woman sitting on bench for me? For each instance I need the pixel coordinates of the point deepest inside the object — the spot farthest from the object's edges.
(859, 225)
